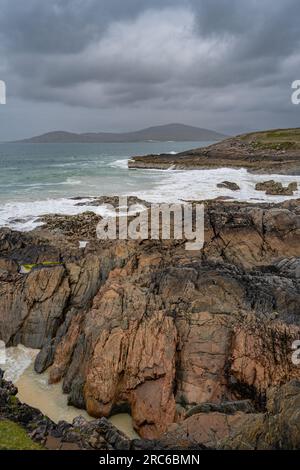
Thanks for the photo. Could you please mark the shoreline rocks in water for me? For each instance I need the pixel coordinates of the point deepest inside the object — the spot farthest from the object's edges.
(168, 334)
(274, 151)
(98, 434)
(273, 188)
(229, 185)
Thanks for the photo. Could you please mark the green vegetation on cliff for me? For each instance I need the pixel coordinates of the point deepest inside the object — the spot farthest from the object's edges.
(279, 139)
(272, 151)
(14, 437)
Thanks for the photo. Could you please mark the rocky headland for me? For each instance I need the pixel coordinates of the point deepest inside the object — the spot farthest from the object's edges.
(197, 346)
(274, 151)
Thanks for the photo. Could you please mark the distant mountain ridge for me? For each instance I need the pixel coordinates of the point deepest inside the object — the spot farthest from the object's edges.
(169, 132)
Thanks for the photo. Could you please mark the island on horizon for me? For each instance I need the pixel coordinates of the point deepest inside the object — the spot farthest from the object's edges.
(169, 132)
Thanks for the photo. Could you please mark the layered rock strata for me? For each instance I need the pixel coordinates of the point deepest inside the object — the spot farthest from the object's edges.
(150, 328)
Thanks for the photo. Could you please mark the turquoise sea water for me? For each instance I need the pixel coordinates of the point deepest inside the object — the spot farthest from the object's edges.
(38, 179)
(30, 172)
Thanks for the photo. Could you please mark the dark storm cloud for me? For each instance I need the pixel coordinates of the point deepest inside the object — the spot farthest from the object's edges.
(64, 26)
(206, 55)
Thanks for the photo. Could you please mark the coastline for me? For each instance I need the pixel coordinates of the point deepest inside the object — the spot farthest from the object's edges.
(180, 343)
(171, 187)
(274, 151)
(149, 232)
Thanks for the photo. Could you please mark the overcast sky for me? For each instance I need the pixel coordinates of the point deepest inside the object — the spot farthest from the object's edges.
(91, 65)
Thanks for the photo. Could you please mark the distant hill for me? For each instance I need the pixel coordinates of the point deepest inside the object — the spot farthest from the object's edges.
(169, 132)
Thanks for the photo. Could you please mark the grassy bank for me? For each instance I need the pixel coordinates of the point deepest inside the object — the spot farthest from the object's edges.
(14, 437)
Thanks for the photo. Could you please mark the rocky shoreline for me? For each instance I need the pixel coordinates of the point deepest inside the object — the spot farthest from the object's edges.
(197, 346)
(80, 435)
(260, 152)
(232, 425)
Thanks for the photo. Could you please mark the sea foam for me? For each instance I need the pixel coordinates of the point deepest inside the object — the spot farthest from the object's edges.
(167, 186)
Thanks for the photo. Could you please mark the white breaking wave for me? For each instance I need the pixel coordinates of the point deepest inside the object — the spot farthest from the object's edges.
(181, 185)
(35, 390)
(24, 216)
(123, 164)
(17, 360)
(167, 186)
(30, 186)
(79, 164)
(71, 181)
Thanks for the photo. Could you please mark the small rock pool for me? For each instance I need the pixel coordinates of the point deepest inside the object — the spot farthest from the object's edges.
(49, 399)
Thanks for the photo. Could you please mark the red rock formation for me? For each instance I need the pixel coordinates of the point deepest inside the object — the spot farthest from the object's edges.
(149, 326)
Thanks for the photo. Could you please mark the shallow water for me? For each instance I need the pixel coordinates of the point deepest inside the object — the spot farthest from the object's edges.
(49, 399)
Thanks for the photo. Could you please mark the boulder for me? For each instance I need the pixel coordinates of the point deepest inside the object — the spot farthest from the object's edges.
(229, 185)
(273, 188)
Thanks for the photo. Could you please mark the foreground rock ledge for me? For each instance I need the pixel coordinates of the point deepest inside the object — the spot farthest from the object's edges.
(150, 328)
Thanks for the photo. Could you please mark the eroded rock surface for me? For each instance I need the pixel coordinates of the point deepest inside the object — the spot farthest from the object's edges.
(149, 327)
(279, 428)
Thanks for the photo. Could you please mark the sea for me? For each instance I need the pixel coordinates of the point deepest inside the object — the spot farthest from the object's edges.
(38, 179)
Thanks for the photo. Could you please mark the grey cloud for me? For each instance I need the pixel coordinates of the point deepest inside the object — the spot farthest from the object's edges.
(64, 26)
(157, 56)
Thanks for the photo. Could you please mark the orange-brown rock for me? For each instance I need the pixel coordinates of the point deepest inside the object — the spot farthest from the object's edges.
(261, 353)
(208, 429)
(279, 428)
(148, 327)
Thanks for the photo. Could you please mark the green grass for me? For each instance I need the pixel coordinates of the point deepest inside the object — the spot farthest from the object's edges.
(14, 437)
(13, 401)
(273, 145)
(278, 139)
